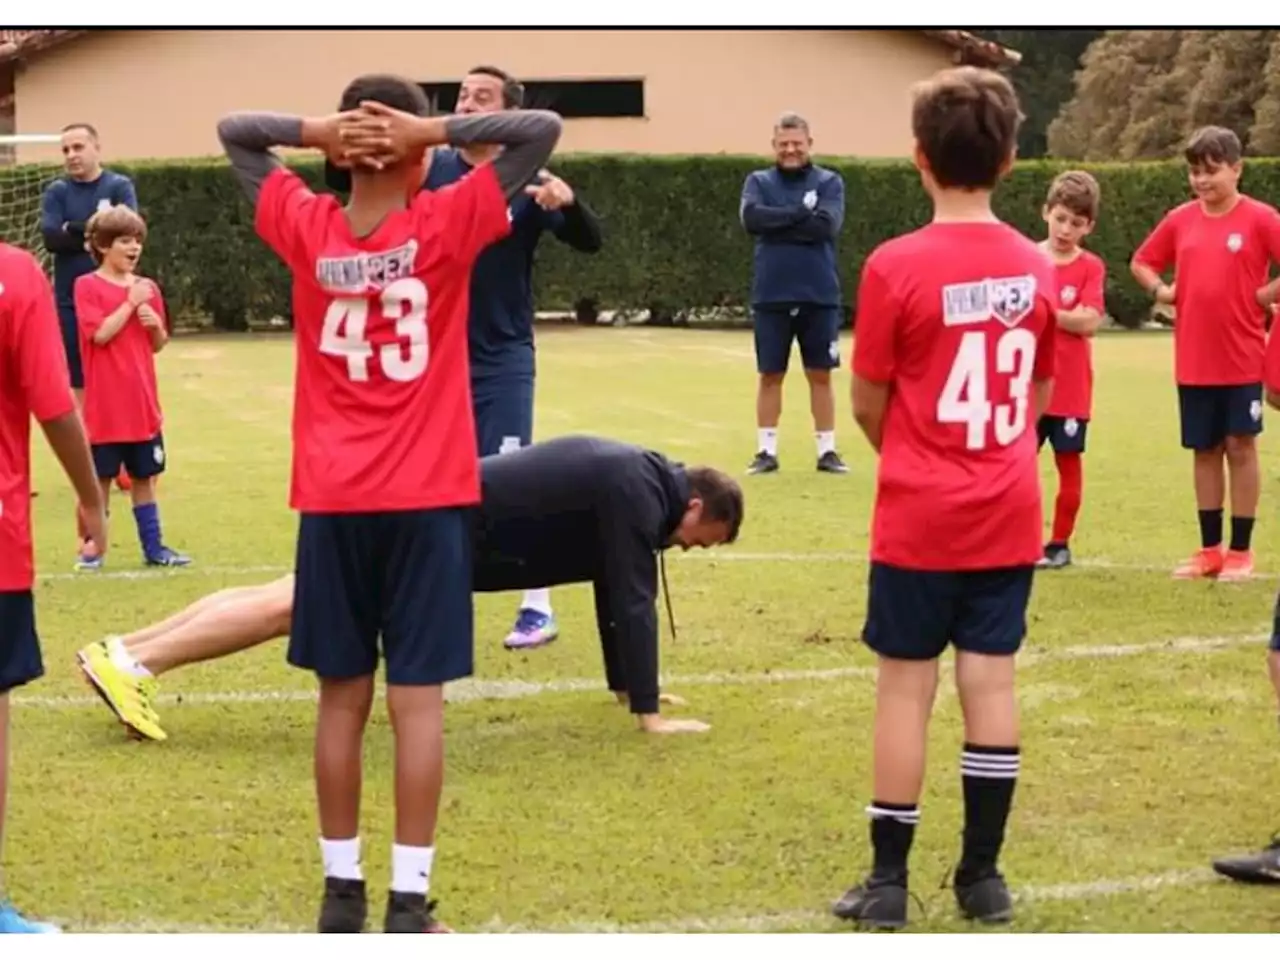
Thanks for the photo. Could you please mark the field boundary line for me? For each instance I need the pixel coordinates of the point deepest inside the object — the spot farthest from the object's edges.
(748, 923)
(710, 557)
(471, 691)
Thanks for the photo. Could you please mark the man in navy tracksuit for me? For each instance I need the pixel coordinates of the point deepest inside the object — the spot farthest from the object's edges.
(794, 210)
(501, 322)
(65, 208)
(576, 509)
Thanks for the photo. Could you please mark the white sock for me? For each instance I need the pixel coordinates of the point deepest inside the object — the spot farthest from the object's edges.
(769, 440)
(826, 441)
(539, 600)
(124, 660)
(341, 858)
(411, 868)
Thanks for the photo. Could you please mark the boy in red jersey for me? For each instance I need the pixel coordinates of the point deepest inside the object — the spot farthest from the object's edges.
(123, 326)
(34, 382)
(385, 463)
(952, 360)
(1070, 211)
(1221, 246)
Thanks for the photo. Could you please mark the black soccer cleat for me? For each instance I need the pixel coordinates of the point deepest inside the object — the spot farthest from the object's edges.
(345, 908)
(985, 898)
(763, 463)
(1261, 867)
(879, 902)
(1056, 556)
(830, 462)
(411, 913)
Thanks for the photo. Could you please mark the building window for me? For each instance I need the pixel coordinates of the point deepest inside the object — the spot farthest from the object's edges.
(572, 99)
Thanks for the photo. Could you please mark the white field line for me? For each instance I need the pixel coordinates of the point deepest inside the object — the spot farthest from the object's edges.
(468, 691)
(760, 923)
(703, 556)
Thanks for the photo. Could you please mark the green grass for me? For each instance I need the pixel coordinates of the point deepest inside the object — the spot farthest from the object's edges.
(1139, 767)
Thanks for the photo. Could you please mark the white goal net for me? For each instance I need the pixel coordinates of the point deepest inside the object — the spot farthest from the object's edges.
(28, 162)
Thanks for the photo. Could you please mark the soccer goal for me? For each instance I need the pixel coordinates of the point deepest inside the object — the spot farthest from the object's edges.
(28, 163)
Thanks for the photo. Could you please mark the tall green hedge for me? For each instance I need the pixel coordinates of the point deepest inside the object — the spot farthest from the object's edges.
(672, 236)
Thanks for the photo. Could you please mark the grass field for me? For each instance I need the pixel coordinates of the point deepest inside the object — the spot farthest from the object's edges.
(1150, 733)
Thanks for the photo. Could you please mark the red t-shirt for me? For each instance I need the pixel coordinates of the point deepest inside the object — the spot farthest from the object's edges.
(959, 320)
(382, 416)
(1080, 285)
(1219, 263)
(121, 395)
(34, 382)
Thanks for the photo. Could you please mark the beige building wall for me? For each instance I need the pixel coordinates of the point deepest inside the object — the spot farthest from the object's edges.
(160, 93)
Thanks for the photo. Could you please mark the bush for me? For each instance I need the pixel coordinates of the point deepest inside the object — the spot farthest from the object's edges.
(673, 242)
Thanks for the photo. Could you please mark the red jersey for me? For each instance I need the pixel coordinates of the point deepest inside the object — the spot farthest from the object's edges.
(33, 382)
(121, 395)
(1219, 263)
(1080, 285)
(958, 319)
(382, 416)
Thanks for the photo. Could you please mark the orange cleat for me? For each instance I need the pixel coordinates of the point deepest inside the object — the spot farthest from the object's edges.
(1207, 562)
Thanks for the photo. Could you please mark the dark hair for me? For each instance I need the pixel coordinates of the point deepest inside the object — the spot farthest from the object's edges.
(388, 89)
(1212, 146)
(391, 90)
(966, 122)
(512, 89)
(1077, 191)
(107, 226)
(88, 128)
(721, 497)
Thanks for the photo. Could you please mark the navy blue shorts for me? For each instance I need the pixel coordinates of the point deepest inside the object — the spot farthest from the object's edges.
(140, 460)
(404, 576)
(817, 329)
(1211, 414)
(1065, 434)
(20, 661)
(503, 414)
(914, 614)
(1275, 627)
(71, 344)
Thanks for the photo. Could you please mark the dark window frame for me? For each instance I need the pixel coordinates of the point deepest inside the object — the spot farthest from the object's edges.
(596, 98)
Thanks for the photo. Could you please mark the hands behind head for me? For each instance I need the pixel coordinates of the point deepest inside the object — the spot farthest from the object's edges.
(373, 136)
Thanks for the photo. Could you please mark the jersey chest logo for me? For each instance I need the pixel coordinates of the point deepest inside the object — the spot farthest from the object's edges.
(1068, 295)
(1235, 242)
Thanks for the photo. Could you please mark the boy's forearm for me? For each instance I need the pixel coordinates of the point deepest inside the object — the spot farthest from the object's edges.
(1082, 321)
(1147, 278)
(67, 439)
(158, 338)
(113, 323)
(530, 137)
(247, 139)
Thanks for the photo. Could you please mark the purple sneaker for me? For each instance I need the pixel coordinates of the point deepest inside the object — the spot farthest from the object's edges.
(532, 629)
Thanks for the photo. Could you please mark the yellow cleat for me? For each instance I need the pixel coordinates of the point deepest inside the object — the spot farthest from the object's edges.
(130, 698)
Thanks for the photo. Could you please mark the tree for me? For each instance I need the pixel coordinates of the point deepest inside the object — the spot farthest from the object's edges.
(1043, 79)
(1115, 67)
(1264, 137)
(1159, 116)
(1232, 80)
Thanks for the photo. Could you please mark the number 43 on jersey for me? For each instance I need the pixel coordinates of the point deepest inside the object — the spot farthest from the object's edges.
(345, 331)
(966, 397)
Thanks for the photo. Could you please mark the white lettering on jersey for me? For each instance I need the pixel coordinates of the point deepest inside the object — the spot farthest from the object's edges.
(366, 272)
(1008, 299)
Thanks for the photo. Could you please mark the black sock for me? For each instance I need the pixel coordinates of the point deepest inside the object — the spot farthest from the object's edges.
(989, 776)
(1211, 528)
(893, 827)
(1241, 533)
